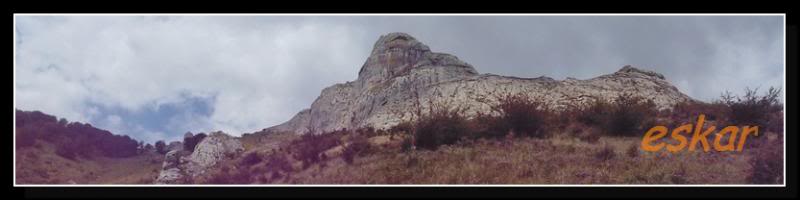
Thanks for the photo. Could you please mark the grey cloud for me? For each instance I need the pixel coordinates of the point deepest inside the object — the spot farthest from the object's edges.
(263, 69)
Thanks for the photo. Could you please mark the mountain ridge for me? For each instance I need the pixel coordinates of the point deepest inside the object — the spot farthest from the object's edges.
(401, 68)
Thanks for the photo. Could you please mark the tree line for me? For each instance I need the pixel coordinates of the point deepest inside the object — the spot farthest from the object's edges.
(72, 139)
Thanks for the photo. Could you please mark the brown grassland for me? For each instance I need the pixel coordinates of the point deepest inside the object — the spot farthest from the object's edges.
(520, 142)
(39, 164)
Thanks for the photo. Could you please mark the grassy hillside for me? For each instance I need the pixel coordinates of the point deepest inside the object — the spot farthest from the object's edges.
(39, 164)
(598, 144)
(521, 144)
(53, 151)
(554, 160)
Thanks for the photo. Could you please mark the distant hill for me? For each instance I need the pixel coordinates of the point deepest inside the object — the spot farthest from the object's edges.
(71, 139)
(53, 151)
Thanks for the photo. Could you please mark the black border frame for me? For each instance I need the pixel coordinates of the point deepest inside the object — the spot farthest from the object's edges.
(789, 191)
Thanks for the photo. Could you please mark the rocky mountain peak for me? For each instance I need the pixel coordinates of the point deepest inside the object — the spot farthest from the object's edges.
(396, 54)
(398, 41)
(627, 69)
(402, 74)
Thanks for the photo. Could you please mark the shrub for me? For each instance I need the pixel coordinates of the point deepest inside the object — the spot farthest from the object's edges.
(72, 138)
(230, 175)
(161, 147)
(628, 116)
(767, 163)
(520, 114)
(487, 126)
(593, 114)
(67, 152)
(357, 146)
(442, 126)
(775, 123)
(278, 162)
(275, 167)
(25, 140)
(251, 158)
(405, 127)
(751, 109)
(407, 143)
(606, 153)
(689, 110)
(308, 147)
(191, 142)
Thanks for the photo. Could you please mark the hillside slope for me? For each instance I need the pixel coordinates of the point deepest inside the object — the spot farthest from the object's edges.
(53, 151)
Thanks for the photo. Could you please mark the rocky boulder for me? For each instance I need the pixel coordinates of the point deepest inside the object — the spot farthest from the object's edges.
(181, 165)
(171, 169)
(211, 150)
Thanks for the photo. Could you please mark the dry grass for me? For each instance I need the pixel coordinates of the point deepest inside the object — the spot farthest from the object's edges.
(555, 160)
(264, 140)
(40, 165)
(592, 145)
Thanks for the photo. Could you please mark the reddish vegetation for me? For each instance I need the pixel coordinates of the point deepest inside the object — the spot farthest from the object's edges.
(520, 142)
(309, 147)
(72, 139)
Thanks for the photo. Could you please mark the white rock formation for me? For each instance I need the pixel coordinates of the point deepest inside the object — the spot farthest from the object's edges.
(181, 165)
(402, 74)
(212, 149)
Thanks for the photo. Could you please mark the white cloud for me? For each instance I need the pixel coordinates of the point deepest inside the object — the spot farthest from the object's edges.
(256, 71)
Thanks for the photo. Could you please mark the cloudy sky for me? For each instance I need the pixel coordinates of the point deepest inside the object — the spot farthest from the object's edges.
(156, 77)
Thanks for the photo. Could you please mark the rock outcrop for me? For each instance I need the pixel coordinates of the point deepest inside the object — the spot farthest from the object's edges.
(212, 149)
(180, 165)
(171, 171)
(175, 145)
(402, 74)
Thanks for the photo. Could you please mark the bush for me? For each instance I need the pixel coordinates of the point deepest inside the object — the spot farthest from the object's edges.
(248, 171)
(593, 114)
(72, 138)
(190, 142)
(628, 116)
(67, 152)
(606, 153)
(688, 111)
(161, 147)
(487, 126)
(407, 144)
(767, 163)
(251, 158)
(442, 126)
(308, 147)
(277, 162)
(357, 146)
(230, 175)
(521, 115)
(752, 109)
(405, 127)
(25, 140)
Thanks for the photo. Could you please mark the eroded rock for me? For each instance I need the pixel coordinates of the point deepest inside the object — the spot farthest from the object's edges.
(403, 75)
(180, 165)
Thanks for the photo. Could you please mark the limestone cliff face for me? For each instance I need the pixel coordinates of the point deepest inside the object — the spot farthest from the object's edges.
(402, 74)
